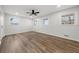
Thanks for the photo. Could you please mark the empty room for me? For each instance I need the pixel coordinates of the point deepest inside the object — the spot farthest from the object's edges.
(39, 29)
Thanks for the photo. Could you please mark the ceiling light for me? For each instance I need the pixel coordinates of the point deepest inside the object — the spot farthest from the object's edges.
(17, 13)
(58, 5)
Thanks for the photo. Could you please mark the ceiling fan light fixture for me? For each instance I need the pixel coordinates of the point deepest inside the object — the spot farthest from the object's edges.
(33, 12)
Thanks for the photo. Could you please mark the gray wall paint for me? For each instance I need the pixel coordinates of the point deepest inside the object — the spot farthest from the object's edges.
(56, 28)
(1, 23)
(24, 25)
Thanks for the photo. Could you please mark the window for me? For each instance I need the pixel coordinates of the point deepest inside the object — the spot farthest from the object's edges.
(68, 19)
(45, 21)
(14, 20)
(35, 22)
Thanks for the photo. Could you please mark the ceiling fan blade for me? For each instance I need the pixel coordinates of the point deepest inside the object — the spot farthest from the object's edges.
(27, 12)
(31, 14)
(37, 12)
(32, 11)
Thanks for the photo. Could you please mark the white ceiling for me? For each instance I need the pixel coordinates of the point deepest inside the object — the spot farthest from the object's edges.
(43, 9)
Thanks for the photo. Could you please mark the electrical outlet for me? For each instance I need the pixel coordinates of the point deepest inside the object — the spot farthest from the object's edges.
(66, 35)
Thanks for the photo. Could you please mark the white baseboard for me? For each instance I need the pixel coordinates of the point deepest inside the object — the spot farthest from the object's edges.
(17, 32)
(60, 36)
(0, 42)
(1, 39)
(67, 38)
(52, 35)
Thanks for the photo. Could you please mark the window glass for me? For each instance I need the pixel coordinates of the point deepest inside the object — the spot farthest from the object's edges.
(14, 20)
(45, 21)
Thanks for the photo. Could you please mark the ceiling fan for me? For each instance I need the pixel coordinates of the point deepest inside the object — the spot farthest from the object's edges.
(33, 12)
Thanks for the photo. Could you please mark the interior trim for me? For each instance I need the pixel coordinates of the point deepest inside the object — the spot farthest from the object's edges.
(59, 36)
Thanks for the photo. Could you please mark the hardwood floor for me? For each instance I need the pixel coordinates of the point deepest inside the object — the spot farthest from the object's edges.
(33, 42)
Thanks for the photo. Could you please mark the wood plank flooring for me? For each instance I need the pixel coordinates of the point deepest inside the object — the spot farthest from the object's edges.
(33, 42)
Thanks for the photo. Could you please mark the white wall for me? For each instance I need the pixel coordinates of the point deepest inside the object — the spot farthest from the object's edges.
(24, 25)
(1, 23)
(56, 28)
